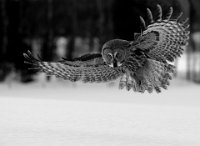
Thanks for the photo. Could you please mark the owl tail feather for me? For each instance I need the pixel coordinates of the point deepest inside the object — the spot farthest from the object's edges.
(154, 75)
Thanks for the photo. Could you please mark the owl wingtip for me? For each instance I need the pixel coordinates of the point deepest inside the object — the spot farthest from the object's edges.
(29, 57)
(25, 55)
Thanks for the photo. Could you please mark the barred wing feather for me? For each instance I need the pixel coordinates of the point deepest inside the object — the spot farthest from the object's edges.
(92, 69)
(163, 38)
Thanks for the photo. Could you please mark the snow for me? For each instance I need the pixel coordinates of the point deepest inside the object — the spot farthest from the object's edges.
(64, 114)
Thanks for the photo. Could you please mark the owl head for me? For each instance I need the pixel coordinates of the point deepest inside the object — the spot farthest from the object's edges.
(114, 52)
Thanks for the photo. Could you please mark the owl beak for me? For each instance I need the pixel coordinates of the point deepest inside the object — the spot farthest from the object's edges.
(114, 63)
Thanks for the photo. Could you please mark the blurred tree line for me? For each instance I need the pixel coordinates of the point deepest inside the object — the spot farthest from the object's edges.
(22, 21)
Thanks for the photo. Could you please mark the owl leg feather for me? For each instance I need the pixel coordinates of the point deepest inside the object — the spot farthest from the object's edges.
(122, 82)
(126, 81)
(129, 82)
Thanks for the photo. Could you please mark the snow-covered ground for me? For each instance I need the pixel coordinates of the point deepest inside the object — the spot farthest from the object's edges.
(62, 114)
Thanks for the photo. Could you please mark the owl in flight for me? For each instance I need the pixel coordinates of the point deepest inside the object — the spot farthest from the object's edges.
(141, 64)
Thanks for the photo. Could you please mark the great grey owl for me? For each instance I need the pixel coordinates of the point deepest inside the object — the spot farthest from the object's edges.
(142, 64)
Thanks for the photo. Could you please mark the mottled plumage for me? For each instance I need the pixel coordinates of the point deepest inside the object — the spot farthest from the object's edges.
(142, 63)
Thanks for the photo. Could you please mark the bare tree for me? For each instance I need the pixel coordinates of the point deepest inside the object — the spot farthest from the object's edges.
(74, 28)
(4, 20)
(48, 39)
(193, 51)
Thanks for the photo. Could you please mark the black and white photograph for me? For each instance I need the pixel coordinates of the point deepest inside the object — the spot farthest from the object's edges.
(99, 73)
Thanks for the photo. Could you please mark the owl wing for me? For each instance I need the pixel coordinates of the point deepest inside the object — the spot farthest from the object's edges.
(164, 37)
(87, 68)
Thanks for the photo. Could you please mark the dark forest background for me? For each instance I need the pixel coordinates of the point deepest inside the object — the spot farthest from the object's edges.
(70, 28)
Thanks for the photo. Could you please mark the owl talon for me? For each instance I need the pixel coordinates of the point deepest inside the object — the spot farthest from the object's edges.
(150, 89)
(128, 86)
(122, 85)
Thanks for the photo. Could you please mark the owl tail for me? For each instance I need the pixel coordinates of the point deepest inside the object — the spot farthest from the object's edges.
(154, 75)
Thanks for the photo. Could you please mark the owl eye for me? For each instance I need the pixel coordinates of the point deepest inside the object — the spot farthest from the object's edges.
(119, 56)
(109, 56)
